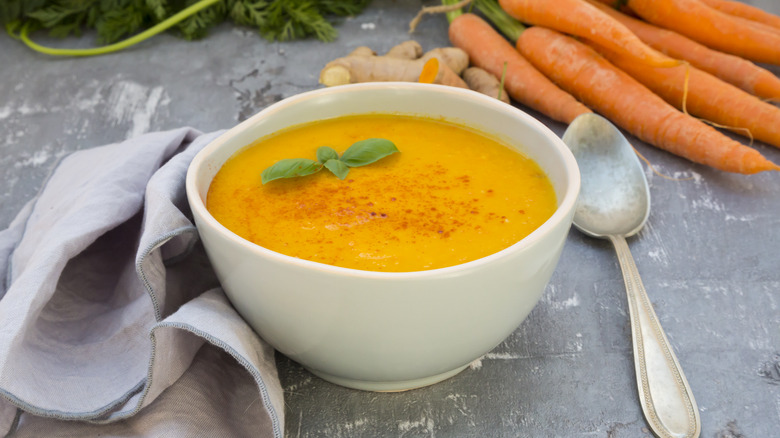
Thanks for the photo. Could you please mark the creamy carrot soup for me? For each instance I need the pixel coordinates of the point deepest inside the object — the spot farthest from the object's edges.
(450, 196)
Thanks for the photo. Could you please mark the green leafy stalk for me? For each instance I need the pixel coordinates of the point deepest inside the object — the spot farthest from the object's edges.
(113, 20)
(454, 13)
(360, 153)
(506, 24)
(158, 28)
(501, 81)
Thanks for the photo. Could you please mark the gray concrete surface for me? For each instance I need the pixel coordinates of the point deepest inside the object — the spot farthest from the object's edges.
(709, 255)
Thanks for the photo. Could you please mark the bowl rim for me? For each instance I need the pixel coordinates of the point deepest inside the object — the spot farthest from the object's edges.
(567, 203)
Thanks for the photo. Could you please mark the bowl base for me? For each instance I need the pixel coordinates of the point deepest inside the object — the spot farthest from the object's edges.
(387, 386)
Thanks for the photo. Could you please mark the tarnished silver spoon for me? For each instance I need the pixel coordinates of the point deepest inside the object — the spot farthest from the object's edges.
(614, 203)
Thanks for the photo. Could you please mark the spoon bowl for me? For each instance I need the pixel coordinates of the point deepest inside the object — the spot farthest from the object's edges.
(614, 198)
(614, 203)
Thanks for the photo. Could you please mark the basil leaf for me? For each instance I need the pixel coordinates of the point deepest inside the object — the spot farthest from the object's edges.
(325, 153)
(337, 167)
(290, 167)
(367, 151)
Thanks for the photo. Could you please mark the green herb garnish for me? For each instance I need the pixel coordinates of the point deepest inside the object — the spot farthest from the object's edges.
(359, 154)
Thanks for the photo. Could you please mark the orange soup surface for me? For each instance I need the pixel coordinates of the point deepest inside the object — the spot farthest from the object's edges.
(451, 195)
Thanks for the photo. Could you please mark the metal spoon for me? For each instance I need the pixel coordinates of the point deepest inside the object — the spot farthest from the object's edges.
(614, 203)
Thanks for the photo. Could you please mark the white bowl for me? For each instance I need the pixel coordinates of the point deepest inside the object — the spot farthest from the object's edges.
(387, 331)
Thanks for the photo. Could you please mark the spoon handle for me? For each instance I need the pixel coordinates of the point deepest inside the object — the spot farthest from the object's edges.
(664, 393)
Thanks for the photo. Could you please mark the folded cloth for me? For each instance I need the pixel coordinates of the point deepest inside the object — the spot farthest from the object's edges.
(112, 322)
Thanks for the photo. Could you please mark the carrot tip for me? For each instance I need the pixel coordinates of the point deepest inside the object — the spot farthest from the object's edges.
(770, 166)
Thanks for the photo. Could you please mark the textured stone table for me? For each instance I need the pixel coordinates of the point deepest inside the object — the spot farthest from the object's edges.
(709, 255)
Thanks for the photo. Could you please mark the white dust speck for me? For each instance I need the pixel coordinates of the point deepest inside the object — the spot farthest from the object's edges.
(573, 301)
(658, 254)
(25, 109)
(705, 200)
(350, 428)
(424, 423)
(460, 402)
(134, 103)
(549, 298)
(5, 112)
(294, 387)
(368, 26)
(165, 100)
(748, 218)
(35, 160)
(501, 356)
(477, 364)
(574, 345)
(88, 103)
(708, 202)
(355, 424)
(142, 119)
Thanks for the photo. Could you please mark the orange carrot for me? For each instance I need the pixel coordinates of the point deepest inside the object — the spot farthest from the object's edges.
(707, 97)
(593, 80)
(619, 5)
(732, 69)
(579, 18)
(715, 29)
(489, 50)
(744, 10)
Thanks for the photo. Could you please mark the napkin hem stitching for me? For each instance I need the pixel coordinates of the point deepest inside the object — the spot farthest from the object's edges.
(241, 360)
(71, 415)
(146, 252)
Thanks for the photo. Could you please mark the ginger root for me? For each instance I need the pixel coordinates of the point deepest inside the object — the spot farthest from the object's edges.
(362, 51)
(401, 63)
(404, 62)
(406, 50)
(485, 82)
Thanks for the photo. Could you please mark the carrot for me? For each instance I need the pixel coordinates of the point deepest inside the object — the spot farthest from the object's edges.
(489, 50)
(581, 71)
(707, 97)
(739, 9)
(579, 18)
(619, 5)
(715, 29)
(732, 69)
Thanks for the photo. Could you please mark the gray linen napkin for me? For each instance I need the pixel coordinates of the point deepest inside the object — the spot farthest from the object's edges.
(112, 322)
